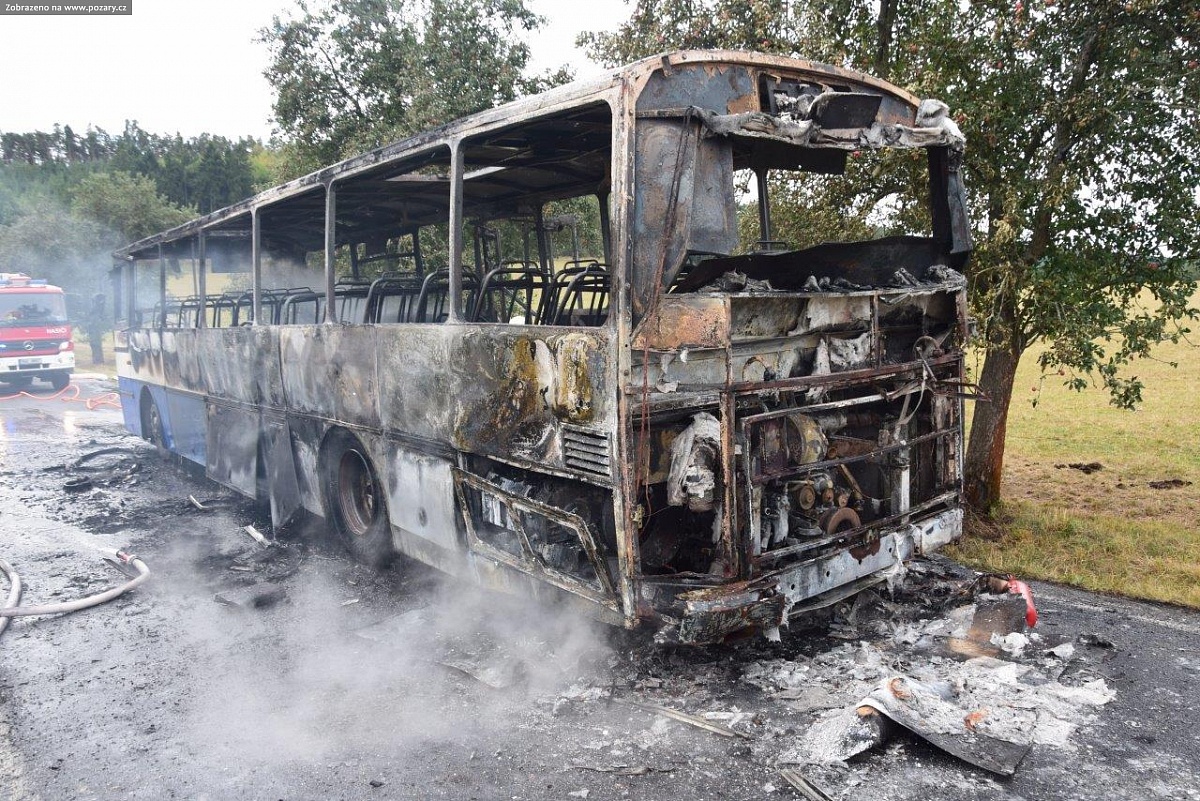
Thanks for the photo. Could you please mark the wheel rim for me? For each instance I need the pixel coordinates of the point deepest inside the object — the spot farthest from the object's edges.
(356, 494)
(156, 432)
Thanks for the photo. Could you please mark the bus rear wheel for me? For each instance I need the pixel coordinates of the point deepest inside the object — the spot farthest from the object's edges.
(354, 500)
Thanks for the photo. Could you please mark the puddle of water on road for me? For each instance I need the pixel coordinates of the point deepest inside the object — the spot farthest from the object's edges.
(21, 523)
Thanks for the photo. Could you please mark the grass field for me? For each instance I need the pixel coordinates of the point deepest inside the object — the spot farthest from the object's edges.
(1110, 530)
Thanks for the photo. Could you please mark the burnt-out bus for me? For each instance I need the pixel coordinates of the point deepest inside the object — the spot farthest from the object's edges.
(554, 348)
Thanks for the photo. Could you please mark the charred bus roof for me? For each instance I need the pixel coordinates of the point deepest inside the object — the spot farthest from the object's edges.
(578, 120)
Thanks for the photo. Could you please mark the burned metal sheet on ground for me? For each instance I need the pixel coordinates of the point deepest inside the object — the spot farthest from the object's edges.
(994, 738)
(938, 678)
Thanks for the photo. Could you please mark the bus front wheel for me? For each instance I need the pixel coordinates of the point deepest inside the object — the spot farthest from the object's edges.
(354, 500)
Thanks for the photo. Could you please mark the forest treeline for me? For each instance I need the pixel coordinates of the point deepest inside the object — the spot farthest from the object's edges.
(204, 172)
(68, 198)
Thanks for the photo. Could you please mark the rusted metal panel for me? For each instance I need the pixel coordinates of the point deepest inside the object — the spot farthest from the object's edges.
(765, 317)
(516, 390)
(722, 87)
(686, 321)
(711, 615)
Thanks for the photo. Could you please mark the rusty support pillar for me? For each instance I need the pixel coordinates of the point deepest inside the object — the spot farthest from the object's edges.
(201, 283)
(456, 232)
(764, 206)
(123, 302)
(539, 232)
(605, 242)
(256, 265)
(330, 252)
(162, 288)
(418, 258)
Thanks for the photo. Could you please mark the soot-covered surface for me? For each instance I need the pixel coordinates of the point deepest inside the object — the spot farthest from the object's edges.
(346, 684)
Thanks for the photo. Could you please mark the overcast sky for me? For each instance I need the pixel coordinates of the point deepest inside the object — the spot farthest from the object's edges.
(191, 66)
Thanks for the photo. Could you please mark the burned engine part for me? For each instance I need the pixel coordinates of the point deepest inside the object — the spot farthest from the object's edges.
(694, 465)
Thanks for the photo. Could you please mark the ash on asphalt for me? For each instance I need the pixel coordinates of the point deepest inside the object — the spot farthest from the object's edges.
(403, 684)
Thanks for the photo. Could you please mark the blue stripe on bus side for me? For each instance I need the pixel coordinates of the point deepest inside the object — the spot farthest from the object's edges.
(183, 417)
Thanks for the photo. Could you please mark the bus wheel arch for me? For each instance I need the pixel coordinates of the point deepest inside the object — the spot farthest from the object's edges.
(152, 420)
(353, 498)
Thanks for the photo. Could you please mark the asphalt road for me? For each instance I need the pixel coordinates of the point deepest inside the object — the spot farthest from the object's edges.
(349, 684)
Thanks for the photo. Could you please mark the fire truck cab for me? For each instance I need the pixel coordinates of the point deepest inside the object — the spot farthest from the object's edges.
(35, 335)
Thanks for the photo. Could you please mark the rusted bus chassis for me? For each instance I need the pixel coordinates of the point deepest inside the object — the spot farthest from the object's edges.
(671, 435)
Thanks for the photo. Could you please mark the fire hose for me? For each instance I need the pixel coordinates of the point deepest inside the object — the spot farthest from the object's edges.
(103, 399)
(11, 610)
(14, 591)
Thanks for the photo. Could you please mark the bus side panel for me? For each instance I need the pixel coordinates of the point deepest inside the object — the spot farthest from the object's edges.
(182, 415)
(145, 356)
(330, 371)
(184, 423)
(503, 391)
(232, 447)
(184, 361)
(517, 386)
(242, 364)
(130, 390)
(417, 390)
(307, 433)
(420, 497)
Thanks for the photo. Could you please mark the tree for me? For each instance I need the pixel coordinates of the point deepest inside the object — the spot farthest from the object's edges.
(52, 243)
(1085, 172)
(72, 246)
(354, 74)
(128, 205)
(1083, 159)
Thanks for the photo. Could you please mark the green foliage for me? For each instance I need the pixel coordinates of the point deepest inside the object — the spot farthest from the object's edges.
(127, 204)
(1087, 161)
(860, 34)
(207, 172)
(1083, 156)
(68, 200)
(52, 243)
(351, 75)
(882, 193)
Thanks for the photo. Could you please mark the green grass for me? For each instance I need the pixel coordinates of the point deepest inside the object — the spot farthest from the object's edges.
(1110, 530)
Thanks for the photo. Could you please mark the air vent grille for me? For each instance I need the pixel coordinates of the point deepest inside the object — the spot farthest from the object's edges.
(587, 450)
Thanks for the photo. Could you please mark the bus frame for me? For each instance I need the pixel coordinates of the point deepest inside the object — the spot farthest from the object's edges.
(717, 443)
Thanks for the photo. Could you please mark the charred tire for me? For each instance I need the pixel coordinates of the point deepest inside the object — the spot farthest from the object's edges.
(152, 424)
(59, 381)
(354, 500)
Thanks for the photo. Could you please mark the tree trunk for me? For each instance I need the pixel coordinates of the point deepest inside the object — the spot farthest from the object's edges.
(885, 24)
(985, 451)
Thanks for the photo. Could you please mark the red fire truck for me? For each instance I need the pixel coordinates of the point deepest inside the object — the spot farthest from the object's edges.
(35, 336)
